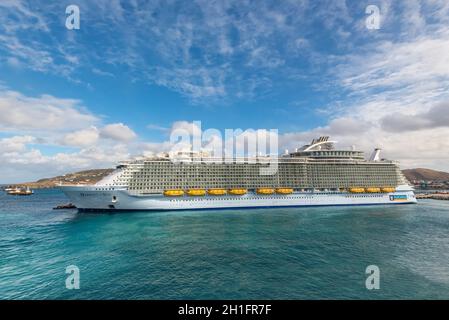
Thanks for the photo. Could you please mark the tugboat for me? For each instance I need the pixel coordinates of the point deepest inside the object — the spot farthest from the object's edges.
(20, 192)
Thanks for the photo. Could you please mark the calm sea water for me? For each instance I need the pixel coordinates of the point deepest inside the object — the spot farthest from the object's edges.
(225, 254)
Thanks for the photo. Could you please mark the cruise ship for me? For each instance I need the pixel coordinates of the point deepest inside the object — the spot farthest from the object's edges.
(317, 174)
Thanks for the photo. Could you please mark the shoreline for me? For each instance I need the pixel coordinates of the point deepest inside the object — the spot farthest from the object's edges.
(434, 195)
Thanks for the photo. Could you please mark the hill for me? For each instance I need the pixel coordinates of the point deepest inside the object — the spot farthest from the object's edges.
(419, 174)
(81, 177)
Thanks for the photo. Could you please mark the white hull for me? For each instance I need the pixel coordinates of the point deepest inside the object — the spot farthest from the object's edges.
(98, 198)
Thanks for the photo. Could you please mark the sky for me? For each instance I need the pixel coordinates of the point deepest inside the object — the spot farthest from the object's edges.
(135, 71)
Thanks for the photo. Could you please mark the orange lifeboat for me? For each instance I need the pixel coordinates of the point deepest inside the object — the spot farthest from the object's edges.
(196, 192)
(238, 192)
(173, 193)
(216, 192)
(265, 191)
(284, 190)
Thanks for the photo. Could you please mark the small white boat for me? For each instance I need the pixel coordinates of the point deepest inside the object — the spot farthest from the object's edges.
(20, 191)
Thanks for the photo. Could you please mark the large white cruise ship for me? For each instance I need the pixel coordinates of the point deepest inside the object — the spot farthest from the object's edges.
(315, 175)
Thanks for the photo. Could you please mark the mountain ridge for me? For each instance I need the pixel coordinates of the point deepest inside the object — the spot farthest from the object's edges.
(423, 174)
(80, 177)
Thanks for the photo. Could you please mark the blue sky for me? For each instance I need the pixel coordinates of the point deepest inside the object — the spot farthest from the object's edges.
(136, 70)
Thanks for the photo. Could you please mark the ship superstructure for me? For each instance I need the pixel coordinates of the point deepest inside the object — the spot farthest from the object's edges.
(316, 174)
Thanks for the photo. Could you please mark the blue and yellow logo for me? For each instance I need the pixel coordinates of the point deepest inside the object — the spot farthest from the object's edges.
(398, 197)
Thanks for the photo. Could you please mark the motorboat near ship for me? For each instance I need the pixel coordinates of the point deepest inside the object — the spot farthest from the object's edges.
(317, 174)
(19, 191)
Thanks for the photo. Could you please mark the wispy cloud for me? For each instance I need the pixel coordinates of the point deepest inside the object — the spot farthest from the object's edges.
(393, 92)
(204, 50)
(386, 87)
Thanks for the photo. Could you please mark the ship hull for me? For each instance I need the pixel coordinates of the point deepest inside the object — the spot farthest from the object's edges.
(100, 199)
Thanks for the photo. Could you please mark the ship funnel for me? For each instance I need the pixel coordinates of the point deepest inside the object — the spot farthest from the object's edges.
(375, 156)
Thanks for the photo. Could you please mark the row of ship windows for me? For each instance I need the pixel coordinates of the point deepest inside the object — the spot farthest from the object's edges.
(199, 179)
(267, 198)
(258, 165)
(256, 172)
(328, 184)
(216, 199)
(266, 178)
(231, 187)
(258, 178)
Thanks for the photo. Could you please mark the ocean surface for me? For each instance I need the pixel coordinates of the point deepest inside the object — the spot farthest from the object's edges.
(298, 253)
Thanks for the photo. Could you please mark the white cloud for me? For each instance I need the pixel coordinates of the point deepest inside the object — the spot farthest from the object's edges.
(209, 50)
(117, 131)
(25, 163)
(45, 120)
(192, 128)
(102, 73)
(24, 113)
(437, 116)
(196, 49)
(424, 148)
(396, 96)
(194, 82)
(391, 82)
(23, 16)
(82, 138)
(152, 126)
(15, 143)
(395, 65)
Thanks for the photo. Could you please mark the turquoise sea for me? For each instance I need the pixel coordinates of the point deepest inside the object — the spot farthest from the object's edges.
(298, 253)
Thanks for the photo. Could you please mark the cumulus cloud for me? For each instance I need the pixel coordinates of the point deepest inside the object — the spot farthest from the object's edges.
(45, 112)
(424, 148)
(25, 162)
(416, 143)
(15, 143)
(117, 131)
(437, 116)
(187, 136)
(80, 138)
(33, 123)
(192, 128)
(395, 97)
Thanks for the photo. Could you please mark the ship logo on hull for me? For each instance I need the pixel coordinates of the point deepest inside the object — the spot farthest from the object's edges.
(399, 197)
